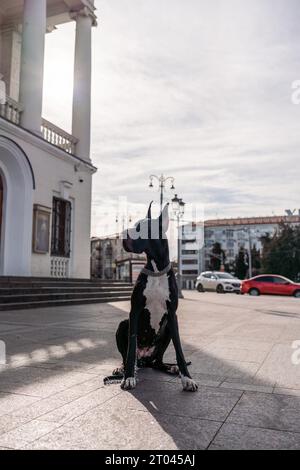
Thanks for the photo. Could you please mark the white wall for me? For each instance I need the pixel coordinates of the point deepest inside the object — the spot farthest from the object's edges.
(51, 167)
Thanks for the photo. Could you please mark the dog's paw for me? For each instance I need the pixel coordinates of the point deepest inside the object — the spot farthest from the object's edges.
(174, 370)
(188, 384)
(118, 371)
(128, 384)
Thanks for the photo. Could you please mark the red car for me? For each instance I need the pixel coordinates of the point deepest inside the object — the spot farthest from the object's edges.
(270, 284)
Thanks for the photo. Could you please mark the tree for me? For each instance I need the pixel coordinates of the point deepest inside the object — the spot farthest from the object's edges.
(242, 263)
(256, 260)
(217, 257)
(281, 253)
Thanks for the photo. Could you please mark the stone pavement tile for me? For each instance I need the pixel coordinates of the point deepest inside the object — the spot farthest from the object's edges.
(95, 327)
(279, 368)
(267, 411)
(237, 343)
(11, 401)
(206, 327)
(194, 341)
(170, 399)
(81, 405)
(29, 432)
(69, 365)
(40, 382)
(235, 354)
(37, 409)
(151, 375)
(109, 427)
(238, 437)
(77, 391)
(11, 421)
(105, 368)
(250, 330)
(207, 364)
(253, 380)
(5, 328)
(291, 332)
(207, 379)
(248, 387)
(287, 391)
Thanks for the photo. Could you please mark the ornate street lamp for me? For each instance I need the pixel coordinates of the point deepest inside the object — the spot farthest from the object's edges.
(178, 207)
(162, 180)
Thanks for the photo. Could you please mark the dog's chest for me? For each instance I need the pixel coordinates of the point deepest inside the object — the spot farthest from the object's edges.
(157, 293)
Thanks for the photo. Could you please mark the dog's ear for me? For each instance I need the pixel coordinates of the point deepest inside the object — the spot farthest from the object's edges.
(149, 211)
(164, 219)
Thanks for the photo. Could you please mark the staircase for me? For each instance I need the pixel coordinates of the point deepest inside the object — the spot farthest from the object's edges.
(23, 292)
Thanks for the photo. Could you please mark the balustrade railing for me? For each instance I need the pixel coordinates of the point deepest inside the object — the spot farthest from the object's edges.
(11, 110)
(60, 267)
(59, 137)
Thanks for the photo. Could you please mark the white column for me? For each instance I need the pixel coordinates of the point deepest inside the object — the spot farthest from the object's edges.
(81, 120)
(32, 63)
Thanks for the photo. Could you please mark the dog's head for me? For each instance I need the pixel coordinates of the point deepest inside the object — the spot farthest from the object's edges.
(149, 236)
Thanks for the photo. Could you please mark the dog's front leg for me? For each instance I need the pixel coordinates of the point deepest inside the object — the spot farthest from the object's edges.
(129, 380)
(187, 382)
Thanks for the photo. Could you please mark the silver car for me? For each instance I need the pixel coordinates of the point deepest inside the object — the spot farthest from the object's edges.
(219, 282)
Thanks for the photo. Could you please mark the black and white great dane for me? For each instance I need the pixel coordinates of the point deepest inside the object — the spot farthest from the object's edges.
(143, 339)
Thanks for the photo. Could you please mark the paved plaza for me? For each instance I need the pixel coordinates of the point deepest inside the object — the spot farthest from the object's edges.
(52, 394)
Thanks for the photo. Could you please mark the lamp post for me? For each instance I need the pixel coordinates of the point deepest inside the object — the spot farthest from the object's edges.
(124, 219)
(128, 220)
(162, 180)
(248, 231)
(178, 211)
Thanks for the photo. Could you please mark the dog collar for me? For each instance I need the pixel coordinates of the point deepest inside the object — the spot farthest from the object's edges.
(157, 273)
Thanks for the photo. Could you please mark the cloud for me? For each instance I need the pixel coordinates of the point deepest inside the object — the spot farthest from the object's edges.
(197, 90)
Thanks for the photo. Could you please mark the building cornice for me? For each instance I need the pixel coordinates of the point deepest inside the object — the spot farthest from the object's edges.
(252, 221)
(45, 146)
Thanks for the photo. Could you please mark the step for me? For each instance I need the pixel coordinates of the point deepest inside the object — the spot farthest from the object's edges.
(42, 278)
(12, 291)
(65, 283)
(26, 280)
(6, 299)
(57, 303)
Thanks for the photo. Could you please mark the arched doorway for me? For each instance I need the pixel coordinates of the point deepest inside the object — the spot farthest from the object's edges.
(16, 195)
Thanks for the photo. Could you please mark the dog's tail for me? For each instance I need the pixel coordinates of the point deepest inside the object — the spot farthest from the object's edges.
(113, 379)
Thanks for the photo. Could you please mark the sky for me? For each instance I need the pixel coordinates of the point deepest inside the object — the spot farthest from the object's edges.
(197, 90)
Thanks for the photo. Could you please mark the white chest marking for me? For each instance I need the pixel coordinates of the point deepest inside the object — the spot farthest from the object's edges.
(157, 293)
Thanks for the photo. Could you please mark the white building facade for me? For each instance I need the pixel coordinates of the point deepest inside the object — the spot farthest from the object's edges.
(234, 234)
(45, 173)
(191, 259)
(197, 241)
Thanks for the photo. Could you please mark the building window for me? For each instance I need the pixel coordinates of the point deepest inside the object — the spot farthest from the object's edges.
(229, 233)
(209, 233)
(189, 252)
(192, 240)
(61, 228)
(189, 261)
